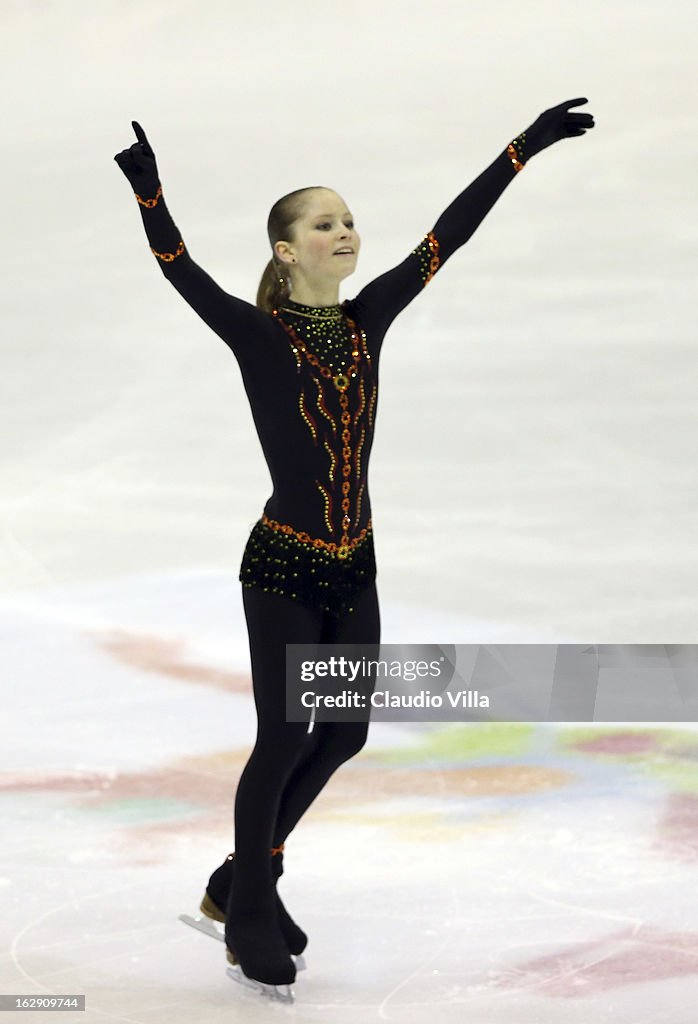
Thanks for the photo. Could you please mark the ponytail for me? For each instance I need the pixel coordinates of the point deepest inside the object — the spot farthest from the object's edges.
(271, 292)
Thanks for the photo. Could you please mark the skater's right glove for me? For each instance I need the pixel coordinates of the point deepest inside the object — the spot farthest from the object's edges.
(138, 164)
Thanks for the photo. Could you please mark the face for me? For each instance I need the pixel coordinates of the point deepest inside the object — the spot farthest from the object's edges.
(325, 226)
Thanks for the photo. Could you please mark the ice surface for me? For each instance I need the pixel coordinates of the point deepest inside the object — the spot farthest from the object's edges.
(489, 870)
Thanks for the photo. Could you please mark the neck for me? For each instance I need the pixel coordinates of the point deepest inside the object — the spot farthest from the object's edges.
(307, 296)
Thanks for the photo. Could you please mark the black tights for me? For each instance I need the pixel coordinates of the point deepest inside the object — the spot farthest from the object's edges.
(289, 766)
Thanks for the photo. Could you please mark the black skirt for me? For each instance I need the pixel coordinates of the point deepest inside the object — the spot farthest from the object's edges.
(283, 564)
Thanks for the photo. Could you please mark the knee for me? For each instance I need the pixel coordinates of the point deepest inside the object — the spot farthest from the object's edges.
(280, 745)
(347, 740)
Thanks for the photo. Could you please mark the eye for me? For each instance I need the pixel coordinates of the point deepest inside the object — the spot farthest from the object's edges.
(326, 224)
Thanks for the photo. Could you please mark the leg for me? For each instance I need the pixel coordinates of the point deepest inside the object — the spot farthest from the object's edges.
(253, 934)
(272, 621)
(330, 744)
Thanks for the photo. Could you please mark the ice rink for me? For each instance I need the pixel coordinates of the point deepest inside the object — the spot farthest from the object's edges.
(533, 480)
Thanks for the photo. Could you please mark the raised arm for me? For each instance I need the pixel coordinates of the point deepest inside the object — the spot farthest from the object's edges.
(380, 301)
(233, 319)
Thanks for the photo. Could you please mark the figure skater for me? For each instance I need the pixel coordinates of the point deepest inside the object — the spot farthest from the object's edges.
(309, 365)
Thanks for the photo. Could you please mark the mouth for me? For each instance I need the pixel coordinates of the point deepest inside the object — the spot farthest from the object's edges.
(349, 252)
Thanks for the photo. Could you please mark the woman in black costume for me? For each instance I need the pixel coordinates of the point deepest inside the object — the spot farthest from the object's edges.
(309, 365)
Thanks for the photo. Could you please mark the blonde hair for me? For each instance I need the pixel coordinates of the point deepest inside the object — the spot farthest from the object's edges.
(282, 216)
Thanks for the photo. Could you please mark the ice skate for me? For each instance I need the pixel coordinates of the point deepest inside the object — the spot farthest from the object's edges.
(205, 924)
(254, 943)
(212, 916)
(281, 993)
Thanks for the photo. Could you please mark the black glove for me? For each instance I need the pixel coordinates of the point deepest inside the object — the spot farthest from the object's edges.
(555, 124)
(138, 164)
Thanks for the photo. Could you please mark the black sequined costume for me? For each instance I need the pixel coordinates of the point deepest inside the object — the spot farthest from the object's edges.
(311, 376)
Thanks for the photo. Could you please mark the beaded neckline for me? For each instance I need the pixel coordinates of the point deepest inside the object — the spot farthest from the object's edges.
(315, 312)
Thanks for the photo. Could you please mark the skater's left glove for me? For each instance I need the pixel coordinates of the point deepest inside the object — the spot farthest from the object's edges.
(555, 124)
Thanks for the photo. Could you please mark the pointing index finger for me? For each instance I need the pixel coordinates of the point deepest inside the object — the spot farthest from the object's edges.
(141, 136)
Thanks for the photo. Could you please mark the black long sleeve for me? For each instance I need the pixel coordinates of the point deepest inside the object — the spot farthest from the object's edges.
(230, 317)
(380, 301)
(459, 221)
(376, 305)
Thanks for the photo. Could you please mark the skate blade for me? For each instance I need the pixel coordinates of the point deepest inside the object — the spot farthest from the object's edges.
(205, 925)
(208, 927)
(278, 993)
